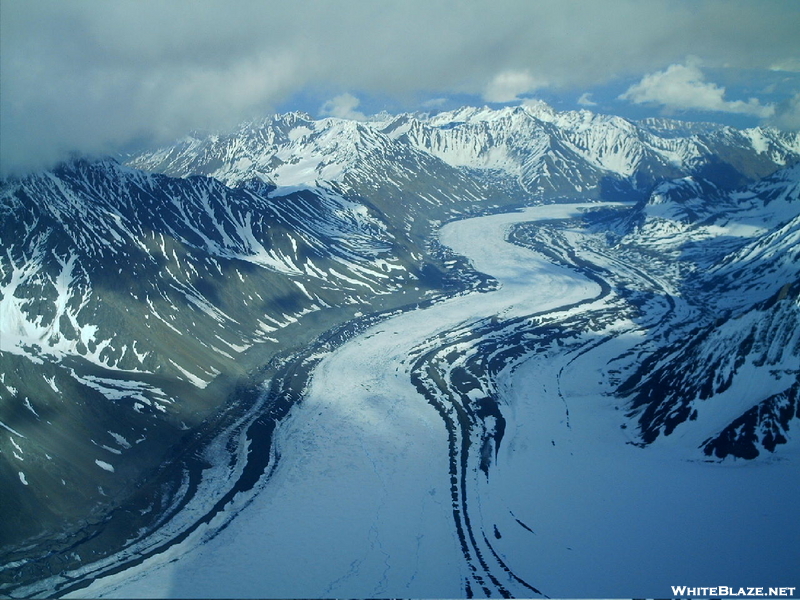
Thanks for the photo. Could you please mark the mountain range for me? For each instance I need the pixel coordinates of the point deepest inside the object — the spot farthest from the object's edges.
(147, 300)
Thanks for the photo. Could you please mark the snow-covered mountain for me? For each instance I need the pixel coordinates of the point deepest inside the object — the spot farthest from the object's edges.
(290, 151)
(533, 147)
(729, 383)
(145, 306)
(131, 303)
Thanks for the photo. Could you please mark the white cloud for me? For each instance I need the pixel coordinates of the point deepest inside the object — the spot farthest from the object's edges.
(787, 114)
(509, 85)
(343, 107)
(586, 100)
(683, 87)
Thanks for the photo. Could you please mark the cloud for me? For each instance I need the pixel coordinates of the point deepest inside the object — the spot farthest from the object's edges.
(92, 75)
(787, 114)
(434, 103)
(787, 64)
(683, 87)
(585, 100)
(343, 107)
(509, 85)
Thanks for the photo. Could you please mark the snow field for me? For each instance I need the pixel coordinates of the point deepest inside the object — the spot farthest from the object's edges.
(611, 517)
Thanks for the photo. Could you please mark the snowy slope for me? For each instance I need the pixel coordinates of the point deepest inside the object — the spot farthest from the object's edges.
(131, 303)
(729, 383)
(289, 151)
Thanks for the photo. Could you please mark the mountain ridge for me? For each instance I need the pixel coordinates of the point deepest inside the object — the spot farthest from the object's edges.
(541, 149)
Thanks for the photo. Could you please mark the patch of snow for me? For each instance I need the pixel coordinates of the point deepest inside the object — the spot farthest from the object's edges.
(104, 465)
(14, 431)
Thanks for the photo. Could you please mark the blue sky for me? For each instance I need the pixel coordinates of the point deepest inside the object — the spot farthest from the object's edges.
(91, 76)
(770, 87)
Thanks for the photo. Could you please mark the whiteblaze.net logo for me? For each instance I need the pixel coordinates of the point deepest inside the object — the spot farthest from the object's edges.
(683, 591)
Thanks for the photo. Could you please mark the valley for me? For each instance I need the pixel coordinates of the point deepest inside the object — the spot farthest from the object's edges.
(477, 436)
(464, 354)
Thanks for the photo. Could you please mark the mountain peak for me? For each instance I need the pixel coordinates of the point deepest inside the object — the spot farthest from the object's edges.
(539, 109)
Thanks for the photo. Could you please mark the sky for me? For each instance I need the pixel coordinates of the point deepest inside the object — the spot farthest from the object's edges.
(92, 77)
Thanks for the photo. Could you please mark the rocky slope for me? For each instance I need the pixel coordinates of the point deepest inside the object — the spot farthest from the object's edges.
(729, 382)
